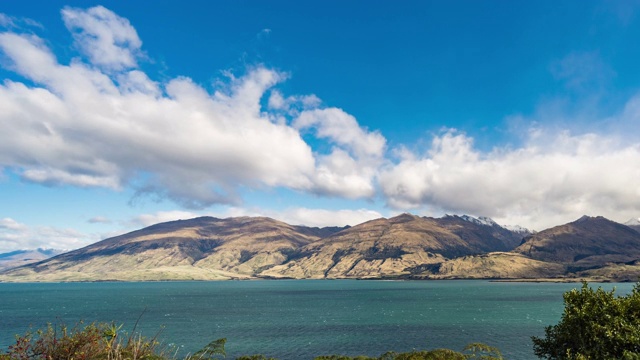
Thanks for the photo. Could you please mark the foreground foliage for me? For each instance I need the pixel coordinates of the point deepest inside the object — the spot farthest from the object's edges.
(595, 324)
(94, 341)
(106, 342)
(471, 351)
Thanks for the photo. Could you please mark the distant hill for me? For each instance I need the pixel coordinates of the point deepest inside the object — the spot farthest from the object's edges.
(402, 247)
(24, 257)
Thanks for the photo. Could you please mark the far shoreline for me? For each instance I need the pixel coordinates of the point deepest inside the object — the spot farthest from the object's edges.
(494, 280)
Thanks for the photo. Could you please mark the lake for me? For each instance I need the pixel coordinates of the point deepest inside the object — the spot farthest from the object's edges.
(299, 319)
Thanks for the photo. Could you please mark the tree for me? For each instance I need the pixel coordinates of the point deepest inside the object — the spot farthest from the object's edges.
(596, 324)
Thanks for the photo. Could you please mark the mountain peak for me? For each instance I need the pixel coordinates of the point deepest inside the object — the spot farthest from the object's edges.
(404, 217)
(586, 218)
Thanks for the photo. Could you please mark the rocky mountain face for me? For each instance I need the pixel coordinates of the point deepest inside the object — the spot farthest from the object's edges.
(24, 257)
(405, 246)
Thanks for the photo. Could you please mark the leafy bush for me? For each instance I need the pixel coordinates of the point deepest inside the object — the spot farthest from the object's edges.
(595, 324)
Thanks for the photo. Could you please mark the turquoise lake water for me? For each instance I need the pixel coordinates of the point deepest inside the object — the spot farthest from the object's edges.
(297, 319)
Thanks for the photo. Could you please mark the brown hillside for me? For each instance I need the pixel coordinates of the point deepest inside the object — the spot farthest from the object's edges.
(200, 248)
(584, 243)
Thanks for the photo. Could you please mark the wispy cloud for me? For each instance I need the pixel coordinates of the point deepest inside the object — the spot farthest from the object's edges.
(583, 71)
(5, 20)
(99, 220)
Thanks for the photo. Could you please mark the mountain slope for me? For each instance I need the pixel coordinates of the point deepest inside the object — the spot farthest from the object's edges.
(392, 247)
(584, 243)
(200, 248)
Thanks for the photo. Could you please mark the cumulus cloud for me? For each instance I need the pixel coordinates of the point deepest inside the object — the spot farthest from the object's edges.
(342, 129)
(101, 122)
(552, 179)
(350, 169)
(17, 236)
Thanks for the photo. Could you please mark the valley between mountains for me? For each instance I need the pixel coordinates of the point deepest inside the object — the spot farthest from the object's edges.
(402, 247)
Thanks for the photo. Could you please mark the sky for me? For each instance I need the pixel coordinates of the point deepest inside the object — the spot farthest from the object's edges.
(117, 115)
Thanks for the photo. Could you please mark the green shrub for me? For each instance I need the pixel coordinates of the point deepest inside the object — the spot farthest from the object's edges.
(595, 324)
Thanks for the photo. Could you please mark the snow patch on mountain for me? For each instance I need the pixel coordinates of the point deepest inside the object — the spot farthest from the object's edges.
(633, 222)
(518, 229)
(482, 220)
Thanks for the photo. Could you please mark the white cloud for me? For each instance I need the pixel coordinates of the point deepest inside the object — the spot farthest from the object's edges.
(292, 104)
(17, 236)
(550, 180)
(343, 129)
(104, 123)
(106, 38)
(323, 217)
(350, 169)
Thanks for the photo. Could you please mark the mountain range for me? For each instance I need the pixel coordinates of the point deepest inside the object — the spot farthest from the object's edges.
(401, 247)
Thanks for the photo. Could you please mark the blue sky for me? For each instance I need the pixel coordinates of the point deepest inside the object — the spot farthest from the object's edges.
(117, 115)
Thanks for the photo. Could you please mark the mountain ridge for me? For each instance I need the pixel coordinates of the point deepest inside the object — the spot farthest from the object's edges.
(401, 247)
